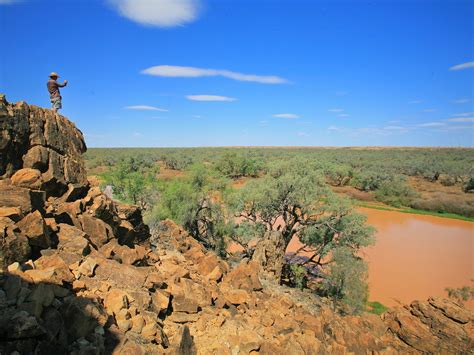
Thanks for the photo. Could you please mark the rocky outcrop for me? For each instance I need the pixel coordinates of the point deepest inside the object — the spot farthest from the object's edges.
(81, 274)
(40, 150)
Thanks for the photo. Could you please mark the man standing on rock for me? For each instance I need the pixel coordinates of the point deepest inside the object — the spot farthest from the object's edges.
(54, 94)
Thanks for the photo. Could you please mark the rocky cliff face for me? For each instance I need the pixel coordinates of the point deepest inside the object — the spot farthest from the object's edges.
(81, 274)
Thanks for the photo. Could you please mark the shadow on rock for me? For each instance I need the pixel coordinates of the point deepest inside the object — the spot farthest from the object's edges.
(46, 318)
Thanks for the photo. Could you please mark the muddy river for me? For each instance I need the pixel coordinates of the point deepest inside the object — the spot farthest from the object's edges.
(415, 256)
(418, 256)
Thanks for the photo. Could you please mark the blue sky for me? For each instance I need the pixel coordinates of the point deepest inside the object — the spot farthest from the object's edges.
(248, 72)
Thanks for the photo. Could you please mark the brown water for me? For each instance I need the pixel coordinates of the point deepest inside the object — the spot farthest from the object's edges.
(415, 256)
(418, 256)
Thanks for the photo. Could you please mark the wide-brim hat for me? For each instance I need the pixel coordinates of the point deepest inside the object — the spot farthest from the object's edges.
(53, 74)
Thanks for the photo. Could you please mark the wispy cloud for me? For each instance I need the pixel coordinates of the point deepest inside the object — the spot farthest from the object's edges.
(303, 134)
(461, 119)
(463, 66)
(197, 116)
(431, 124)
(192, 72)
(387, 130)
(464, 114)
(429, 110)
(286, 115)
(342, 115)
(210, 98)
(336, 110)
(456, 128)
(461, 101)
(394, 128)
(137, 135)
(159, 13)
(145, 108)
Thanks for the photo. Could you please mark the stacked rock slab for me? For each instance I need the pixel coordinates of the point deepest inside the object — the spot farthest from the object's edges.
(80, 274)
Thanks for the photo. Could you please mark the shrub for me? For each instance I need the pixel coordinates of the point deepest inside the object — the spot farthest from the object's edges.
(347, 280)
(370, 180)
(445, 204)
(233, 166)
(395, 193)
(469, 186)
(189, 202)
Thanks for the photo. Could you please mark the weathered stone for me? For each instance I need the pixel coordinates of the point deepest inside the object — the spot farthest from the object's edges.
(98, 232)
(244, 276)
(14, 213)
(236, 297)
(84, 314)
(27, 177)
(23, 325)
(115, 300)
(34, 228)
(88, 266)
(14, 247)
(72, 239)
(182, 303)
(120, 274)
(160, 301)
(19, 197)
(183, 317)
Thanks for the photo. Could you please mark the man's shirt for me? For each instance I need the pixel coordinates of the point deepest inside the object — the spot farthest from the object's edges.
(53, 88)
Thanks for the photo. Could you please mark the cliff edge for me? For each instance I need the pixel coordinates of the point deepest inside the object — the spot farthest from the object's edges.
(80, 274)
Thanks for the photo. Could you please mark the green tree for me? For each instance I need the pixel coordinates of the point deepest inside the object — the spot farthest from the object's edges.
(297, 202)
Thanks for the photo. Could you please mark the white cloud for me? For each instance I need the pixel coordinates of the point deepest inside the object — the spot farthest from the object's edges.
(394, 128)
(343, 115)
(145, 108)
(286, 115)
(336, 110)
(303, 134)
(462, 66)
(333, 128)
(192, 72)
(431, 124)
(429, 110)
(137, 135)
(160, 13)
(461, 101)
(197, 116)
(461, 119)
(209, 98)
(464, 114)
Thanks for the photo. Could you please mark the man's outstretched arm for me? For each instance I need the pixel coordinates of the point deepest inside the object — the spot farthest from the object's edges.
(63, 84)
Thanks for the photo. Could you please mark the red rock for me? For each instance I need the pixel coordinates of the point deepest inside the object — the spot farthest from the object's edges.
(34, 228)
(244, 276)
(61, 270)
(14, 213)
(98, 232)
(72, 240)
(27, 177)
